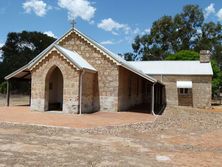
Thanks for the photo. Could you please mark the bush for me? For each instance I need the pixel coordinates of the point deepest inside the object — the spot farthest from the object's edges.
(183, 55)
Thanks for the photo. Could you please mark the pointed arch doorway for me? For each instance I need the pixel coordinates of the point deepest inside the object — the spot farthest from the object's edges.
(54, 89)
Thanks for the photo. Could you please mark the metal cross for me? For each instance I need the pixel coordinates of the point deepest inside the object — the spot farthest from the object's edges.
(73, 23)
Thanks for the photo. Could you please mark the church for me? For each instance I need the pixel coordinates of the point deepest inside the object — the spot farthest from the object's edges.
(75, 74)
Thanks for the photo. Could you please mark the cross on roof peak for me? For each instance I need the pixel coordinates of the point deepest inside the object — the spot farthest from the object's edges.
(73, 23)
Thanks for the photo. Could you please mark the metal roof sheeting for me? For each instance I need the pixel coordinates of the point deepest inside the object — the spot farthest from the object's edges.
(75, 58)
(18, 73)
(184, 84)
(173, 67)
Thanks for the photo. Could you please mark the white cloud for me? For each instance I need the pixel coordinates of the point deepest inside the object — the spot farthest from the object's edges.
(50, 33)
(209, 10)
(136, 31)
(219, 15)
(111, 42)
(147, 31)
(112, 26)
(39, 7)
(107, 42)
(78, 8)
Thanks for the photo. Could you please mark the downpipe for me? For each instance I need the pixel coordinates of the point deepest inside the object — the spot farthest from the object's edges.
(80, 91)
(153, 103)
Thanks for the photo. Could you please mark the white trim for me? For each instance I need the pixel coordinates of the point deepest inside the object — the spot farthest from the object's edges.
(184, 84)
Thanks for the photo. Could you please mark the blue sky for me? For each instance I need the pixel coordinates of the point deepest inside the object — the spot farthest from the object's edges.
(113, 23)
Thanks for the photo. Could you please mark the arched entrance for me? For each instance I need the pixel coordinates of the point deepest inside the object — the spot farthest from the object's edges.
(54, 89)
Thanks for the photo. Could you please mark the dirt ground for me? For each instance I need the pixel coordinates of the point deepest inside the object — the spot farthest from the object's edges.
(180, 137)
(23, 115)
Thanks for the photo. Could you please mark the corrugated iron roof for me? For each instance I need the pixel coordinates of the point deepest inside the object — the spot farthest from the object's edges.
(75, 58)
(173, 67)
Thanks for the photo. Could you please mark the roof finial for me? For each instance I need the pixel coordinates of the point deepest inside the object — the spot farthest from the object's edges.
(73, 23)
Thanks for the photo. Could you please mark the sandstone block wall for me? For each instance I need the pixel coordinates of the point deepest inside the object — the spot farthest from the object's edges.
(135, 96)
(201, 90)
(90, 98)
(107, 71)
(39, 100)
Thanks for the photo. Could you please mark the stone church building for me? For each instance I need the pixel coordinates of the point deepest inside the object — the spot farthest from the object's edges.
(76, 74)
(188, 83)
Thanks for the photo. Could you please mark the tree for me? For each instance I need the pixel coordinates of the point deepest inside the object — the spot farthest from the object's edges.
(162, 33)
(128, 56)
(154, 46)
(20, 48)
(217, 77)
(170, 34)
(183, 55)
(210, 39)
(186, 25)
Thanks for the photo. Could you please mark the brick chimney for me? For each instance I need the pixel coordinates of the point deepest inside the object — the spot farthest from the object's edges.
(205, 56)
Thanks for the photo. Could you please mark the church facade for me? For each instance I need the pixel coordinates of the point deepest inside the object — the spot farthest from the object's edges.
(75, 74)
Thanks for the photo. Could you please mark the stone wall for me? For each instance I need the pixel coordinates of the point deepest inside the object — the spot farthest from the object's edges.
(130, 89)
(40, 86)
(107, 70)
(201, 90)
(90, 98)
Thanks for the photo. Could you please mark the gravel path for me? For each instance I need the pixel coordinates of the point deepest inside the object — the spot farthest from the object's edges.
(180, 137)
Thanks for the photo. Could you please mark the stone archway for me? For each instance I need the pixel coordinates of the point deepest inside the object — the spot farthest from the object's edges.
(54, 90)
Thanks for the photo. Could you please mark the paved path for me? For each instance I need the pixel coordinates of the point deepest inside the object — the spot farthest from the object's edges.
(25, 116)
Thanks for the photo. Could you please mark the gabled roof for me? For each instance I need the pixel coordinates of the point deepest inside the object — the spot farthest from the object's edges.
(114, 57)
(71, 56)
(173, 67)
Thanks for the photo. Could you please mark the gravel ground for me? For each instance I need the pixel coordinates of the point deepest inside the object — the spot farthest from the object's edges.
(180, 137)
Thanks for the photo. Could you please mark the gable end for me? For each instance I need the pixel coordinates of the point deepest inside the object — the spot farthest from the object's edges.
(89, 42)
(48, 54)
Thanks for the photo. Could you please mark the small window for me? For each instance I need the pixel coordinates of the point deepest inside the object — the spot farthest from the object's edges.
(184, 91)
